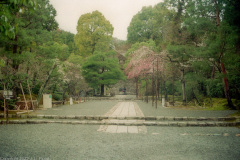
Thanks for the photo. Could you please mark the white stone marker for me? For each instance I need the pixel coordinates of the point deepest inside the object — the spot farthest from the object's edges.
(47, 101)
(71, 101)
(163, 102)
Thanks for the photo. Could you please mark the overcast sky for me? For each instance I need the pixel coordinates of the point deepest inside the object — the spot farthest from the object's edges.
(118, 12)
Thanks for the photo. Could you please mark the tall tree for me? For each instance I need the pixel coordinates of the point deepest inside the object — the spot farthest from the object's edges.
(94, 33)
(141, 26)
(102, 69)
(30, 31)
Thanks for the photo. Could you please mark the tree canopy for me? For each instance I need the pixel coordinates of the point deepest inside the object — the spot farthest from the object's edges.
(102, 69)
(200, 39)
(94, 34)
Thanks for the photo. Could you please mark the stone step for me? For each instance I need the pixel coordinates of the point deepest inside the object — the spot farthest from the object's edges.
(147, 118)
(130, 123)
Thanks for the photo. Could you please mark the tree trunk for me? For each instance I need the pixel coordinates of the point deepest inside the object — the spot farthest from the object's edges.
(165, 91)
(102, 89)
(183, 88)
(226, 87)
(209, 94)
(173, 91)
(45, 84)
(223, 70)
(195, 96)
(136, 86)
(156, 99)
(30, 95)
(161, 88)
(24, 96)
(153, 86)
(157, 79)
(147, 90)
(15, 48)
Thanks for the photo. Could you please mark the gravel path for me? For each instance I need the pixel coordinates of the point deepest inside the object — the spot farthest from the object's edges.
(64, 142)
(86, 108)
(148, 110)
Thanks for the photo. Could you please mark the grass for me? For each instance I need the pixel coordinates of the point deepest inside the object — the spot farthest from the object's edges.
(218, 104)
(237, 114)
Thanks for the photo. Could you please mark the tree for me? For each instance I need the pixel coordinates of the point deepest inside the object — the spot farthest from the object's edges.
(7, 7)
(30, 30)
(151, 23)
(72, 76)
(141, 26)
(102, 69)
(94, 33)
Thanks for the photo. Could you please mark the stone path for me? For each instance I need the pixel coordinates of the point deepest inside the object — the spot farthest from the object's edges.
(123, 111)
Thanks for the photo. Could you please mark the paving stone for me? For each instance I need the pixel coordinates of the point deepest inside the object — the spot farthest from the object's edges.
(112, 129)
(132, 129)
(102, 128)
(122, 129)
(142, 129)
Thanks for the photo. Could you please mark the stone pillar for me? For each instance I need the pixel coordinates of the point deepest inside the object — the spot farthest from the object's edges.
(47, 101)
(71, 101)
(163, 102)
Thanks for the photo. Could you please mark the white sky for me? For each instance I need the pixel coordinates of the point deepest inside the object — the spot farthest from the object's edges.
(118, 12)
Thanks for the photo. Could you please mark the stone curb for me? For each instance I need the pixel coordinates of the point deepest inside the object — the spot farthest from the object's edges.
(147, 118)
(145, 123)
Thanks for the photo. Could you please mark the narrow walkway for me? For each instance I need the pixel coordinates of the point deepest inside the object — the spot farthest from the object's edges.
(122, 110)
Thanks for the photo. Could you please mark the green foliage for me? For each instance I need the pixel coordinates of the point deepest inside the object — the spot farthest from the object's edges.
(149, 23)
(94, 34)
(150, 44)
(194, 44)
(7, 7)
(141, 26)
(53, 50)
(102, 69)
